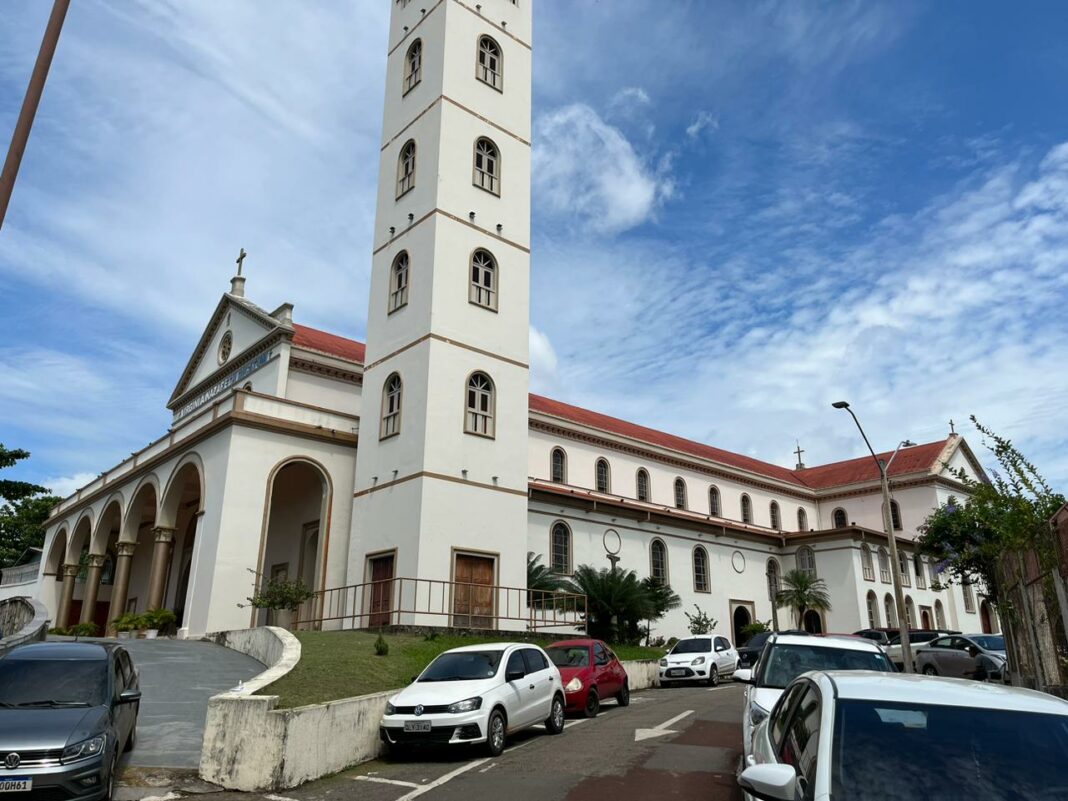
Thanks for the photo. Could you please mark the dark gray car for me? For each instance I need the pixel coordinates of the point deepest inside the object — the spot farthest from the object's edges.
(67, 710)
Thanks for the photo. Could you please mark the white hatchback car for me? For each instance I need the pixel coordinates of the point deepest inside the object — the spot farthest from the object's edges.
(882, 736)
(476, 694)
(703, 657)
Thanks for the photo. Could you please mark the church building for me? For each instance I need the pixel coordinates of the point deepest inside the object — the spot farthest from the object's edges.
(406, 479)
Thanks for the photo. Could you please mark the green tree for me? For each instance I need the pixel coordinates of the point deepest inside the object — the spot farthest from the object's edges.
(25, 508)
(617, 602)
(802, 591)
(542, 580)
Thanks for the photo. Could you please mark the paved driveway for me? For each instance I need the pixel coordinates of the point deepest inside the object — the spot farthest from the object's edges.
(177, 679)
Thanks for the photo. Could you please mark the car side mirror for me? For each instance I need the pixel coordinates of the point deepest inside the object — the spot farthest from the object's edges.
(129, 696)
(514, 675)
(744, 675)
(769, 782)
(973, 651)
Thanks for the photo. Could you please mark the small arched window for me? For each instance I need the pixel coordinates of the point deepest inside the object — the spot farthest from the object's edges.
(487, 166)
(658, 566)
(406, 168)
(840, 519)
(969, 595)
(713, 502)
(559, 466)
(413, 66)
(802, 519)
(921, 576)
(866, 563)
(873, 611)
(940, 615)
(603, 476)
(642, 484)
(903, 563)
(680, 494)
(890, 610)
(480, 405)
(490, 63)
(806, 561)
(774, 579)
(747, 509)
(560, 549)
(483, 279)
(398, 282)
(884, 566)
(776, 518)
(700, 570)
(391, 406)
(895, 515)
(910, 612)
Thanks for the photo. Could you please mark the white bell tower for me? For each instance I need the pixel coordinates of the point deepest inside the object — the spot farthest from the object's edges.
(441, 469)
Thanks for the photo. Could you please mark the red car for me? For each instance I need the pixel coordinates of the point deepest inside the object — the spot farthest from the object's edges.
(591, 673)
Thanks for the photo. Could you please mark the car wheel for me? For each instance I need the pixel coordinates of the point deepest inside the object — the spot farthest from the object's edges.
(554, 724)
(623, 696)
(495, 733)
(929, 670)
(593, 703)
(713, 676)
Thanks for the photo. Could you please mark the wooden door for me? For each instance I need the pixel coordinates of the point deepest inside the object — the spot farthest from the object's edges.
(473, 605)
(381, 590)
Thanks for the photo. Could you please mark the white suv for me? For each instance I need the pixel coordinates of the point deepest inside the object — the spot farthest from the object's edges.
(476, 694)
(704, 657)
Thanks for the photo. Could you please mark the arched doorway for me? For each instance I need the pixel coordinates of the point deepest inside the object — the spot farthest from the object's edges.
(813, 623)
(742, 618)
(925, 618)
(294, 545)
(179, 515)
(77, 555)
(986, 619)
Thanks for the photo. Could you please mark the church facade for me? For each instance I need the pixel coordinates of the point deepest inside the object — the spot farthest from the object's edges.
(405, 480)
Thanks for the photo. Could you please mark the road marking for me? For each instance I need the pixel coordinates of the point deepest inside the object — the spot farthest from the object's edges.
(378, 779)
(657, 731)
(448, 777)
(571, 723)
(490, 766)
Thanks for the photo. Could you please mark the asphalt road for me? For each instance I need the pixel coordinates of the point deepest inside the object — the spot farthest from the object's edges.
(681, 743)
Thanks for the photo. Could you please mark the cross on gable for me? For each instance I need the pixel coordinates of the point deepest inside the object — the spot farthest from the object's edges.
(241, 260)
(952, 428)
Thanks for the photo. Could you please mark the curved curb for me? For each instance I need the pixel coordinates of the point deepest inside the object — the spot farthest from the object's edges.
(275, 647)
(33, 630)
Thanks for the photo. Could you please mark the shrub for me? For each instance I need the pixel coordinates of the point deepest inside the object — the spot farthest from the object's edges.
(129, 621)
(160, 619)
(85, 630)
(748, 631)
(281, 594)
(700, 623)
(430, 636)
(381, 646)
(59, 631)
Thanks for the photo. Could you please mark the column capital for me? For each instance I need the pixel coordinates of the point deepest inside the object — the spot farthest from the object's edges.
(125, 549)
(95, 560)
(71, 570)
(162, 534)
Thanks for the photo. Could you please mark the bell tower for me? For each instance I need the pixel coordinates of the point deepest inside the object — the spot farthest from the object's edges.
(441, 468)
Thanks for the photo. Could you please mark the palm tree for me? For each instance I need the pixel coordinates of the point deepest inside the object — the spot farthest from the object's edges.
(541, 577)
(802, 591)
(616, 602)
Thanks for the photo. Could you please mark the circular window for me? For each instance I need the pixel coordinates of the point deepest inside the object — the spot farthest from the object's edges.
(225, 347)
(738, 561)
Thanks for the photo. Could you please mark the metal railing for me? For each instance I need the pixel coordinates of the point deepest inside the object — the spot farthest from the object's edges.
(433, 602)
(22, 574)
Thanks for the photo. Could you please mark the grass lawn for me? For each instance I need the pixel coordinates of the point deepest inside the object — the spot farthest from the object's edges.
(341, 664)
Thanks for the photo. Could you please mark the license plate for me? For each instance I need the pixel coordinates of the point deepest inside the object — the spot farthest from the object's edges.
(417, 725)
(16, 784)
(677, 672)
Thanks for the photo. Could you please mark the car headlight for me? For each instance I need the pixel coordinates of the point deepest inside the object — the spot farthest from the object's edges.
(390, 709)
(84, 750)
(663, 663)
(757, 714)
(574, 685)
(699, 661)
(467, 705)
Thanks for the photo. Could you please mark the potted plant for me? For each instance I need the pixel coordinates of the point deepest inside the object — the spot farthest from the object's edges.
(284, 596)
(125, 625)
(157, 620)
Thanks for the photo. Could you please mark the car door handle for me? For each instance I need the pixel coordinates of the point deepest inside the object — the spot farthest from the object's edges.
(532, 686)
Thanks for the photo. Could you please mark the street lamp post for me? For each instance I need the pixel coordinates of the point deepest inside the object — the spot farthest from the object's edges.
(888, 527)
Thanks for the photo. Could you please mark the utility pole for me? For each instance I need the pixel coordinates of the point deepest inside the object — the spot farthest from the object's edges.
(30, 103)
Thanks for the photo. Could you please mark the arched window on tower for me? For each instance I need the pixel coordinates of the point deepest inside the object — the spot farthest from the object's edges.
(747, 509)
(406, 168)
(642, 484)
(391, 406)
(487, 166)
(884, 566)
(658, 566)
(480, 405)
(490, 63)
(603, 476)
(866, 563)
(806, 561)
(840, 519)
(895, 515)
(413, 66)
(561, 548)
(680, 494)
(713, 502)
(700, 570)
(776, 518)
(398, 282)
(802, 519)
(483, 279)
(559, 466)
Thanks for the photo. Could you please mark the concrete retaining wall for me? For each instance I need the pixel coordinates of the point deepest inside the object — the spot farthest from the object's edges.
(642, 675)
(22, 620)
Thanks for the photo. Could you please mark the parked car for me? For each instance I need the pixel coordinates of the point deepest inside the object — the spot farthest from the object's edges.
(703, 657)
(787, 656)
(971, 656)
(749, 653)
(875, 737)
(590, 672)
(476, 694)
(67, 710)
(878, 636)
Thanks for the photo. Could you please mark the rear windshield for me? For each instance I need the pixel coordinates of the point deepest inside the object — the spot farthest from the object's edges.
(991, 642)
(569, 655)
(698, 646)
(784, 663)
(758, 640)
(463, 666)
(39, 682)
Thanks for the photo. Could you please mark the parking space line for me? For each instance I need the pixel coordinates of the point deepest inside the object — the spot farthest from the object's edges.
(448, 777)
(571, 723)
(380, 780)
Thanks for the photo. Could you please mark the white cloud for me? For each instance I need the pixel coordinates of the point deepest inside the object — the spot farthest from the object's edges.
(588, 173)
(64, 486)
(704, 120)
(543, 362)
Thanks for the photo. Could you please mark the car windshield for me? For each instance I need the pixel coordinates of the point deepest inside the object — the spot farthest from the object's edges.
(697, 646)
(990, 642)
(569, 655)
(947, 752)
(784, 663)
(45, 683)
(758, 639)
(463, 666)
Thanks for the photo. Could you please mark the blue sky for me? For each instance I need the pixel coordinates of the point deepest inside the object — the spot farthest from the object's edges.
(781, 205)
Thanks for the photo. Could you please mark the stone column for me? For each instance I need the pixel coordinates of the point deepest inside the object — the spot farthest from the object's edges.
(121, 588)
(63, 615)
(161, 554)
(92, 587)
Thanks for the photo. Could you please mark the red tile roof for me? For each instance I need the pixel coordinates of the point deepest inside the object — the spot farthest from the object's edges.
(331, 344)
(854, 471)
